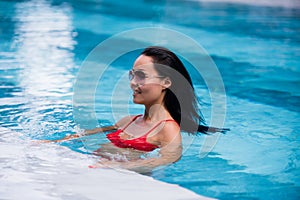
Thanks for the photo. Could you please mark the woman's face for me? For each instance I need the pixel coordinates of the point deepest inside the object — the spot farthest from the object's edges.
(147, 91)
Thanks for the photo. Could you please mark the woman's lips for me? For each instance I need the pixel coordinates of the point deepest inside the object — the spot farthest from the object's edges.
(135, 92)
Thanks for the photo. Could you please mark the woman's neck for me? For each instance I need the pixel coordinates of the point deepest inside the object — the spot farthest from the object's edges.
(156, 112)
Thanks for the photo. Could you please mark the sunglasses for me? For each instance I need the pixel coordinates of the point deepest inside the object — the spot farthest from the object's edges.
(140, 76)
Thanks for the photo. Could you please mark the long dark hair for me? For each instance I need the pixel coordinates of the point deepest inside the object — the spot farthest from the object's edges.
(180, 99)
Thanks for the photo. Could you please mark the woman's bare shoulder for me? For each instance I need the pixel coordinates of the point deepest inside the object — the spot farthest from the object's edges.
(170, 132)
(125, 120)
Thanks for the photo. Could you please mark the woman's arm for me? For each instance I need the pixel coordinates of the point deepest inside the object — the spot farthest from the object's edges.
(119, 124)
(99, 130)
(168, 154)
(85, 133)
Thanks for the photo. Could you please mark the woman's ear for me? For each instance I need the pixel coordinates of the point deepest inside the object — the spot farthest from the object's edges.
(167, 83)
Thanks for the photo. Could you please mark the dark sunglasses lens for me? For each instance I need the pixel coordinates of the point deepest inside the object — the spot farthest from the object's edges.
(140, 75)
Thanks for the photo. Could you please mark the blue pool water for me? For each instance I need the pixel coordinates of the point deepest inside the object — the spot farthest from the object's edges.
(255, 47)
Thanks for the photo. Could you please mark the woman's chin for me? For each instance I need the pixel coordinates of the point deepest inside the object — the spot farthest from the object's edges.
(136, 101)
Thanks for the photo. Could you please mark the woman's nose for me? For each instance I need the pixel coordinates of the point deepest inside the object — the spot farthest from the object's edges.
(133, 83)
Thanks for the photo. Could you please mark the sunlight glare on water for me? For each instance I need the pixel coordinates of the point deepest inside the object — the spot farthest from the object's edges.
(43, 43)
(255, 46)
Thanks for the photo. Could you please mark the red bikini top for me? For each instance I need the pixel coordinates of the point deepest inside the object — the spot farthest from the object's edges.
(139, 143)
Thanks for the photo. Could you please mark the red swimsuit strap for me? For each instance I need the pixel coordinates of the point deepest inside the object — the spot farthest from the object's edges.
(154, 127)
(132, 120)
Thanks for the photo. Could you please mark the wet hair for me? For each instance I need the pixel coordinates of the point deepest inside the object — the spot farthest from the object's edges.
(180, 99)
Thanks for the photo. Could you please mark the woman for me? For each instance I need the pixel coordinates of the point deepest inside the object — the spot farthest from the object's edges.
(161, 83)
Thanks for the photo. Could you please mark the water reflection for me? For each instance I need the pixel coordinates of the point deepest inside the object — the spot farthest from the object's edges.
(44, 43)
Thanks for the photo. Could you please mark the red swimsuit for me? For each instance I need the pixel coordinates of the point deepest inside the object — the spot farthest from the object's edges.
(139, 143)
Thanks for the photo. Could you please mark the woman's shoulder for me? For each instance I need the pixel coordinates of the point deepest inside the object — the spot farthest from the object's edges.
(125, 120)
(170, 129)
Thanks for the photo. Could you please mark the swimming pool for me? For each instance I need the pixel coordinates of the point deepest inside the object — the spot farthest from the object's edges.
(256, 48)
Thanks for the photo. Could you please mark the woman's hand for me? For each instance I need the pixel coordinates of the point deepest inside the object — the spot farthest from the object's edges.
(66, 138)
(139, 166)
(106, 163)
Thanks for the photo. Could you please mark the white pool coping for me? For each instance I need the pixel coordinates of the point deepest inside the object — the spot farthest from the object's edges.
(49, 171)
(124, 185)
